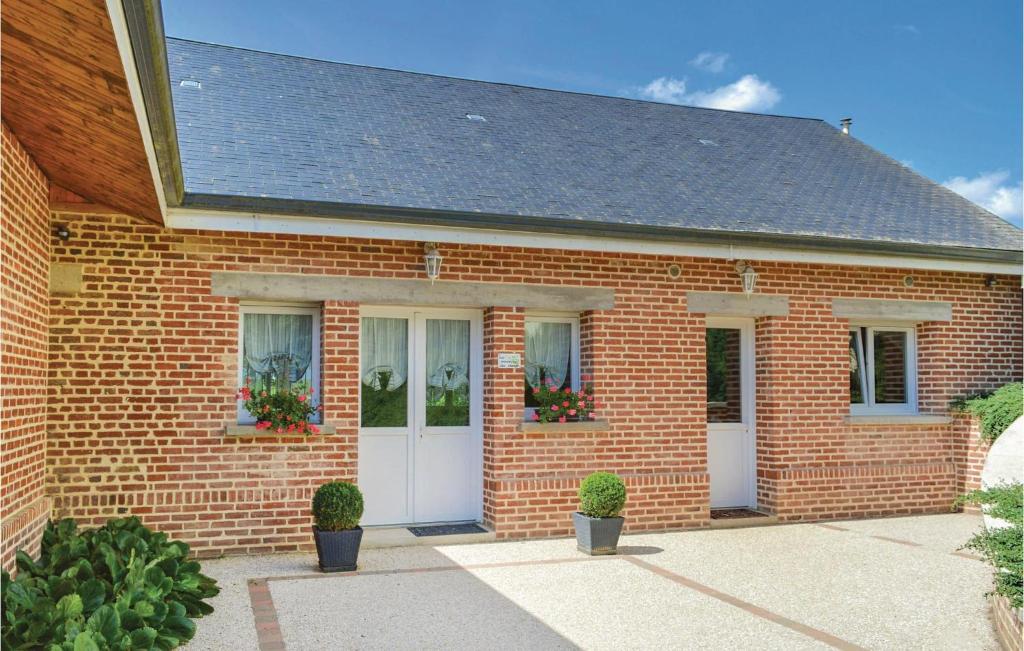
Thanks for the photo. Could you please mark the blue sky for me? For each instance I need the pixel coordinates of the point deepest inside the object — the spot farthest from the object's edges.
(935, 84)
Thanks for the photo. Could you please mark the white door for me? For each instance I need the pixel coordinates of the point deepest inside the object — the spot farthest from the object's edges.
(730, 412)
(420, 435)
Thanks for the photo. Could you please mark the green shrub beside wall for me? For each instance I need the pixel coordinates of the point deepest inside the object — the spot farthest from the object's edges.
(120, 586)
(996, 410)
(1002, 548)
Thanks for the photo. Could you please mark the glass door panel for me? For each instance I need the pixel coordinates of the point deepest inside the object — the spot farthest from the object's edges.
(384, 364)
(446, 373)
(725, 386)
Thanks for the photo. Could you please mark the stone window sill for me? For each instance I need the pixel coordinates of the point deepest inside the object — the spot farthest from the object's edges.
(558, 428)
(250, 431)
(897, 419)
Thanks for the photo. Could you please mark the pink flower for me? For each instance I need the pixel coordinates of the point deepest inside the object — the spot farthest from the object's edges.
(565, 403)
(280, 430)
(302, 398)
(536, 416)
(291, 428)
(262, 424)
(554, 407)
(561, 419)
(536, 390)
(313, 428)
(572, 412)
(552, 389)
(310, 390)
(568, 391)
(263, 394)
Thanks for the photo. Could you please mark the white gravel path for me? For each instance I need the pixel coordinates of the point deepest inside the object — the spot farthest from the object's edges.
(781, 587)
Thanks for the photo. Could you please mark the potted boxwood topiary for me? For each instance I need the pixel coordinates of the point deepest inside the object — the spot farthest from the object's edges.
(337, 507)
(598, 525)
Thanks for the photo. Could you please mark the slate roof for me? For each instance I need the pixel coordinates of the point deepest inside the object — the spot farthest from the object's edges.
(283, 128)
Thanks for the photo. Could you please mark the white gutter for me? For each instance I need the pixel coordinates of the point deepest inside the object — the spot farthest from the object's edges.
(131, 74)
(196, 219)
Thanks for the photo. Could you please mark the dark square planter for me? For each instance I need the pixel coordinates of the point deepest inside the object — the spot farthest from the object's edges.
(597, 536)
(338, 551)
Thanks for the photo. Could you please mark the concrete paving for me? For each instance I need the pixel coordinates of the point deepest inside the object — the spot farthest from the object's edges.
(876, 584)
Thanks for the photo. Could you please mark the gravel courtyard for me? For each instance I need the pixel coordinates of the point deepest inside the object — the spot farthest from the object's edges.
(896, 583)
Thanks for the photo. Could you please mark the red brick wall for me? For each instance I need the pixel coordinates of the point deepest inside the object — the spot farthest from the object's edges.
(970, 452)
(24, 283)
(144, 365)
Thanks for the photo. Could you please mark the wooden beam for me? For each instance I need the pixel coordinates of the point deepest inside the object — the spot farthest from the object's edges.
(733, 304)
(386, 291)
(891, 310)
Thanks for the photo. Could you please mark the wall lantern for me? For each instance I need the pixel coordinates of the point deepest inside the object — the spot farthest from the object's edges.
(63, 232)
(748, 276)
(432, 261)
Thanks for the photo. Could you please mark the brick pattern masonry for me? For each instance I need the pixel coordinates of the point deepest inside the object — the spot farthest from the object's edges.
(24, 319)
(142, 369)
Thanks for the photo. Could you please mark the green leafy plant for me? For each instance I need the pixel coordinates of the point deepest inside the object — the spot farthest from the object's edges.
(602, 495)
(1002, 547)
(562, 404)
(120, 586)
(337, 505)
(285, 410)
(995, 410)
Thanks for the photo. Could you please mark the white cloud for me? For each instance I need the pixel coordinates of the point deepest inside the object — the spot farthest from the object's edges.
(710, 61)
(993, 192)
(665, 89)
(748, 93)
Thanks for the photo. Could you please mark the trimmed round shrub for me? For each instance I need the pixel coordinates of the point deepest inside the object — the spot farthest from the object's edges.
(337, 505)
(602, 495)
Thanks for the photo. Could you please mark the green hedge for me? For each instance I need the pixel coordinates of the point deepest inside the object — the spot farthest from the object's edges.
(337, 506)
(996, 410)
(120, 586)
(1002, 548)
(602, 495)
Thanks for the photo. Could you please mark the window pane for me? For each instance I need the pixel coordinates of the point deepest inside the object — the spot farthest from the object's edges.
(856, 368)
(384, 359)
(277, 350)
(890, 367)
(548, 357)
(447, 373)
(725, 400)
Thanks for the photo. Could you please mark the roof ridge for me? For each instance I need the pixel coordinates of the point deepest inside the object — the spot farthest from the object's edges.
(494, 83)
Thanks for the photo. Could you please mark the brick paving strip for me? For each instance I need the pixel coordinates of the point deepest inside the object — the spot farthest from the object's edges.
(899, 541)
(813, 633)
(268, 629)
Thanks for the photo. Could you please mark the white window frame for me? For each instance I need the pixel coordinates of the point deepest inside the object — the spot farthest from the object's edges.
(574, 354)
(867, 348)
(244, 417)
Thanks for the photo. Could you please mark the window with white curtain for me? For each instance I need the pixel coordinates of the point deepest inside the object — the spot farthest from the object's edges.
(883, 370)
(279, 349)
(552, 355)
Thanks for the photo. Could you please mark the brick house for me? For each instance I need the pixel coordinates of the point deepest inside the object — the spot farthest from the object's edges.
(228, 214)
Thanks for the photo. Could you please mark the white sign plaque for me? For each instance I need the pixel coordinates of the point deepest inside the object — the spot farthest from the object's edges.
(510, 360)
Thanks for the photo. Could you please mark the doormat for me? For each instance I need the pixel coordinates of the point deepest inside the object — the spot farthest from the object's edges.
(446, 530)
(732, 514)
